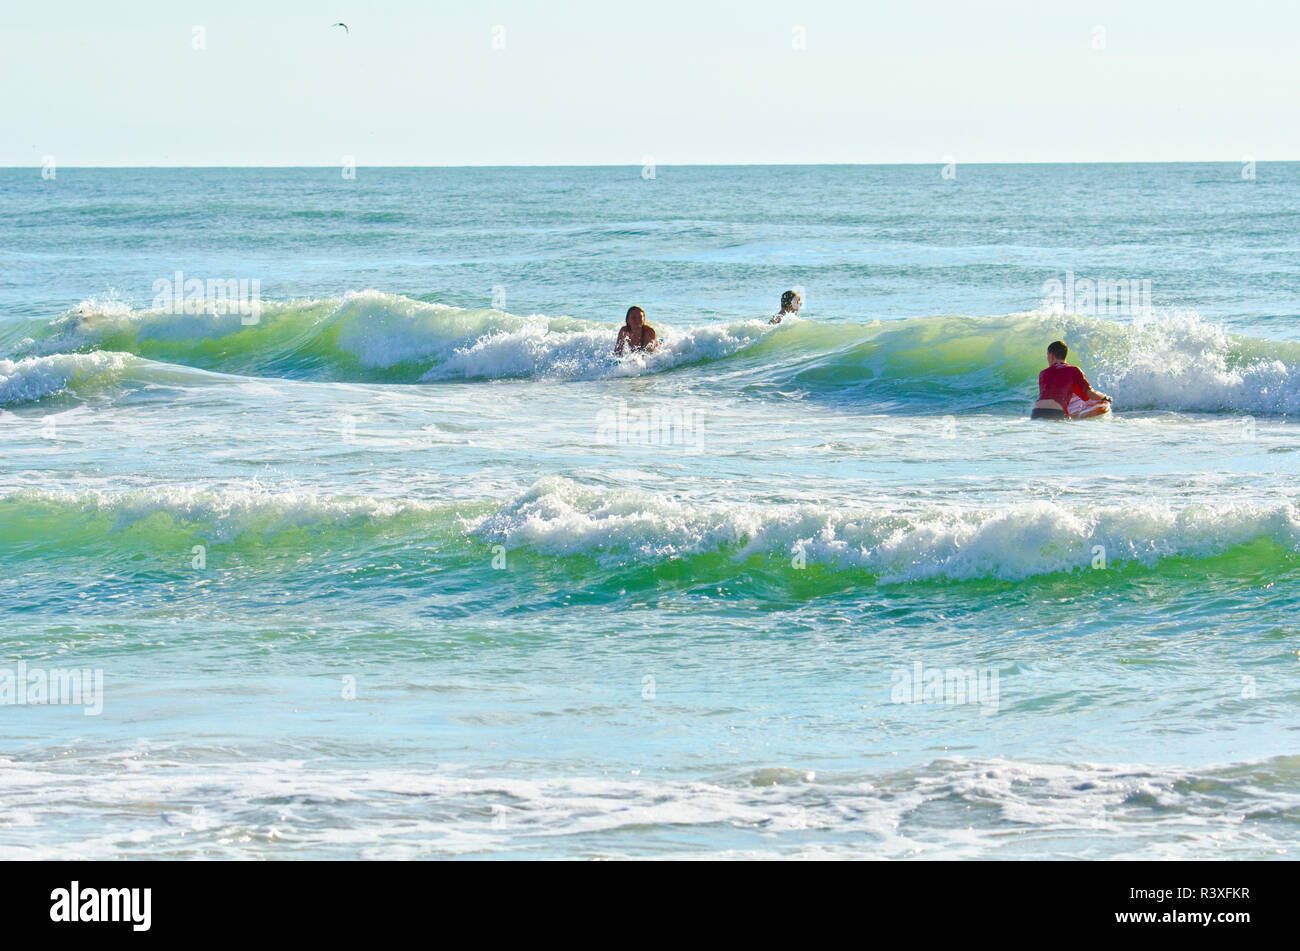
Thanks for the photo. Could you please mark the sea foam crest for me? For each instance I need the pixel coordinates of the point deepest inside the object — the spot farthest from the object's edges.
(559, 517)
(35, 378)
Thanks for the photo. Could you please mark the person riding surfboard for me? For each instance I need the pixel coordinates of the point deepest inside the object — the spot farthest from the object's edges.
(1059, 386)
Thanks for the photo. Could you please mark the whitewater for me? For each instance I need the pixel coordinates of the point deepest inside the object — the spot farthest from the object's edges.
(1157, 362)
(411, 565)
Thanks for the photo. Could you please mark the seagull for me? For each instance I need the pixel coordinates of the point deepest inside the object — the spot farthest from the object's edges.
(345, 28)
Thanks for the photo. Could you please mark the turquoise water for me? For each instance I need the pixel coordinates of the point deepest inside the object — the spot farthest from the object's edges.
(407, 565)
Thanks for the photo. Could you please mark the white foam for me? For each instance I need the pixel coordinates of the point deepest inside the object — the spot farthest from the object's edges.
(386, 330)
(201, 806)
(1182, 363)
(35, 378)
(536, 349)
(559, 517)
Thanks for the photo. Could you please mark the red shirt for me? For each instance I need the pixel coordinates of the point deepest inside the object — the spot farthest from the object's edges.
(1060, 382)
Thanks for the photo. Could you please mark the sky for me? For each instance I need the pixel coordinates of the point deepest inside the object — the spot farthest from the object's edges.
(578, 82)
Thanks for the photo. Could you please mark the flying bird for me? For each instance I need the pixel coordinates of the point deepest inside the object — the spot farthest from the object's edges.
(345, 28)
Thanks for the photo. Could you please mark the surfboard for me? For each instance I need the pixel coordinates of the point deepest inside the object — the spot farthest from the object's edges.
(1087, 410)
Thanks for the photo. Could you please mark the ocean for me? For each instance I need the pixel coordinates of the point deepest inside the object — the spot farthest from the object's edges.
(331, 528)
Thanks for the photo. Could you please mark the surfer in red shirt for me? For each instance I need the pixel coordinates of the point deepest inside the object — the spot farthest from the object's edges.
(1059, 383)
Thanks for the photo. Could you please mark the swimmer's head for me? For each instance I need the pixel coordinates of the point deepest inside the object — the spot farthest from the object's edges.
(790, 302)
(1057, 349)
(635, 317)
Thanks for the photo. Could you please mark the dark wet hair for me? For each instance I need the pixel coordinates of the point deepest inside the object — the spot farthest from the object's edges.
(788, 298)
(634, 310)
(1058, 349)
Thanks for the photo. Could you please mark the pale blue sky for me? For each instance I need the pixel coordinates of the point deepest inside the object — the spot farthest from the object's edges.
(704, 81)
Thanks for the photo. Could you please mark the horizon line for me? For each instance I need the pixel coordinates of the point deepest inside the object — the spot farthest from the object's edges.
(335, 165)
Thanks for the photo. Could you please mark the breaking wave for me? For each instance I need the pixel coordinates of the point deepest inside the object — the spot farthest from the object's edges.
(595, 529)
(921, 364)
